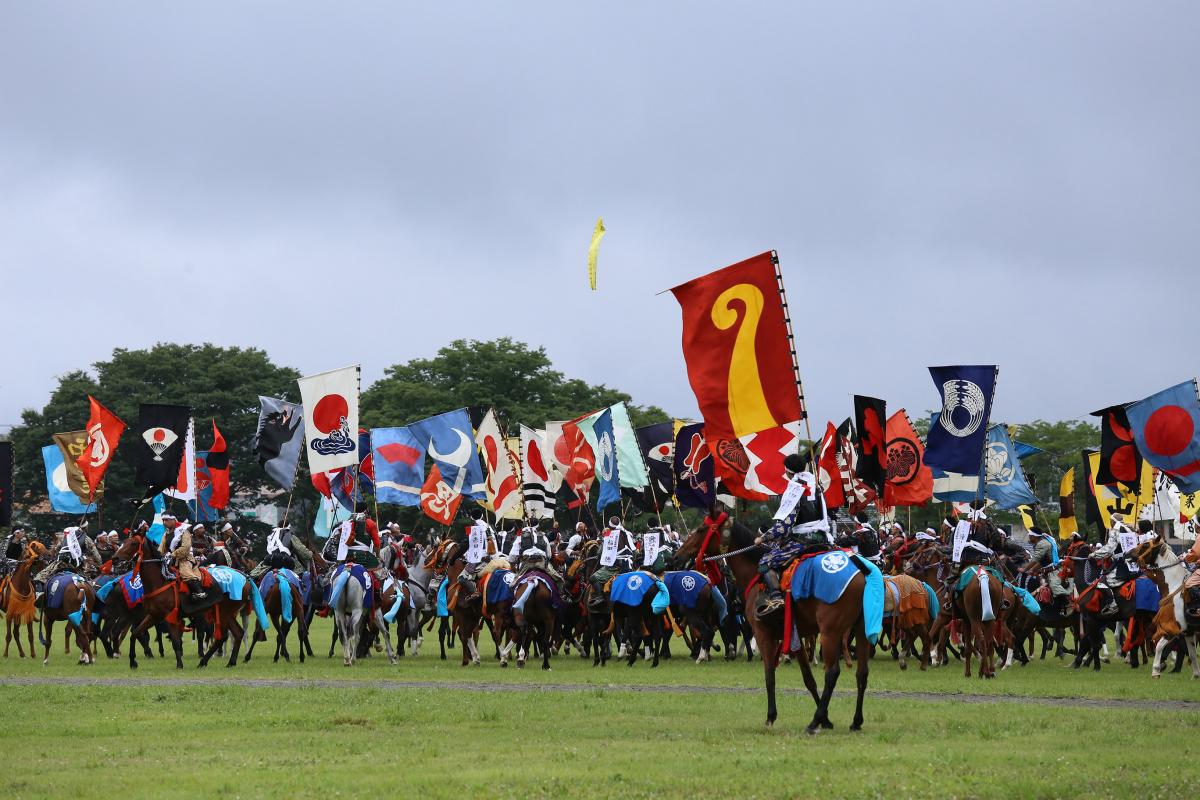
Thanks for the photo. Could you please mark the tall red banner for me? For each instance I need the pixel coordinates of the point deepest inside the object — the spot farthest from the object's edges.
(742, 371)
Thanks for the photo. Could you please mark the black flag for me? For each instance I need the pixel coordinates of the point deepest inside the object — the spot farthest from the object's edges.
(161, 435)
(870, 422)
(1120, 461)
(657, 443)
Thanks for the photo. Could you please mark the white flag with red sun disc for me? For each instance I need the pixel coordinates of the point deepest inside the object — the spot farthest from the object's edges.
(330, 403)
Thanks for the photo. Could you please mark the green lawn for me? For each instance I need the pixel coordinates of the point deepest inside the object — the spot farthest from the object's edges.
(227, 740)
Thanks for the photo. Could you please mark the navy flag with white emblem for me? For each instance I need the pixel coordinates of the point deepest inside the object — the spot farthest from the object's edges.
(955, 442)
(607, 472)
(159, 445)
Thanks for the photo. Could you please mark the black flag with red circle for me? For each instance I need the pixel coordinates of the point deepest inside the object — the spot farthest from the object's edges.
(1120, 461)
(159, 445)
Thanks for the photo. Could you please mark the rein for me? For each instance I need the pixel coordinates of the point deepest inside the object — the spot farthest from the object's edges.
(732, 553)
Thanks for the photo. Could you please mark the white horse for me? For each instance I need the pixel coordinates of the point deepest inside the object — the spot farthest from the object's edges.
(1156, 555)
(348, 614)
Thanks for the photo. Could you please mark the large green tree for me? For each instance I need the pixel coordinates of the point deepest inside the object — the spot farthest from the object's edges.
(519, 381)
(221, 383)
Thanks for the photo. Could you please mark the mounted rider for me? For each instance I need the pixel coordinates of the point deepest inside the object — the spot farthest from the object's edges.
(531, 538)
(787, 539)
(481, 546)
(284, 551)
(1121, 540)
(357, 542)
(74, 552)
(617, 547)
(863, 539)
(176, 547)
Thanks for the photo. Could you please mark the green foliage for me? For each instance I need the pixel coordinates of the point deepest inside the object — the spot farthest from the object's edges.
(217, 382)
(517, 380)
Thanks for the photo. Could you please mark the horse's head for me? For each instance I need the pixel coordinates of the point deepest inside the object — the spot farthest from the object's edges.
(1149, 554)
(129, 548)
(35, 551)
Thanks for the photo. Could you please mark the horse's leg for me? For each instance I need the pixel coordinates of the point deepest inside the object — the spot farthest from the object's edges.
(8, 635)
(48, 627)
(768, 648)
(864, 668)
(234, 628)
(382, 627)
(970, 634)
(283, 629)
(831, 655)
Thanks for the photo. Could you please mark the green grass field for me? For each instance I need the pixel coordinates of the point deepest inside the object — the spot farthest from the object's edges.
(367, 739)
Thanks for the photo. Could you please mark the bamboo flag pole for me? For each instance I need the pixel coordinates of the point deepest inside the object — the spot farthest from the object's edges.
(787, 319)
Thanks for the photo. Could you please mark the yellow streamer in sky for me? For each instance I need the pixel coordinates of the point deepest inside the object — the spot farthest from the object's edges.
(594, 250)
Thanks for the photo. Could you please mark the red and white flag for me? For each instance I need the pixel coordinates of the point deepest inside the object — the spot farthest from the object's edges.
(330, 402)
(104, 429)
(185, 486)
(439, 501)
(539, 482)
(503, 484)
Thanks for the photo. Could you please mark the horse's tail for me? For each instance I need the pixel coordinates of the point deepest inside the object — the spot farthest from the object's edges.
(259, 611)
(612, 624)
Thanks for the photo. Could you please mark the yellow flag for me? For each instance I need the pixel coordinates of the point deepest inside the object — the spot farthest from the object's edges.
(1189, 504)
(1066, 505)
(1118, 499)
(594, 250)
(1027, 516)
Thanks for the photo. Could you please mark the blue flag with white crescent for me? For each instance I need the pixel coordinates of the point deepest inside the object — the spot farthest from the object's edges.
(62, 499)
(1006, 483)
(399, 459)
(607, 473)
(1166, 429)
(450, 441)
(955, 442)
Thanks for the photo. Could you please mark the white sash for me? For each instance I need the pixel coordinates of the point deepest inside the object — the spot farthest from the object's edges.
(962, 531)
(72, 545)
(650, 547)
(275, 543)
(801, 485)
(1129, 542)
(608, 553)
(476, 543)
(344, 538)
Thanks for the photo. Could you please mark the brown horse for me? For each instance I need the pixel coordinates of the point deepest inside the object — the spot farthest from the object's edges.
(17, 599)
(979, 632)
(162, 602)
(77, 599)
(467, 615)
(273, 603)
(812, 618)
(536, 614)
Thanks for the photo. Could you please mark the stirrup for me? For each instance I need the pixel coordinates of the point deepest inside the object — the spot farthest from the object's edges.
(768, 606)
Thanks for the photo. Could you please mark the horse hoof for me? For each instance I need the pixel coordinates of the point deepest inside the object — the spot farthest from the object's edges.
(46, 662)
(857, 726)
(810, 730)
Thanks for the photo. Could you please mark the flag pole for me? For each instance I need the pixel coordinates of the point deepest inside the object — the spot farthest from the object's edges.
(787, 319)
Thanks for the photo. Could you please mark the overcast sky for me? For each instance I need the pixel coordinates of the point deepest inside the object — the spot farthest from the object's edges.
(1016, 183)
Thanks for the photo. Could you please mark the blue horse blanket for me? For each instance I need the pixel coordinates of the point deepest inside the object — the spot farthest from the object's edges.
(500, 586)
(443, 609)
(57, 587)
(343, 574)
(685, 587)
(1146, 595)
(233, 584)
(629, 589)
(825, 578)
(130, 585)
(267, 583)
(935, 606)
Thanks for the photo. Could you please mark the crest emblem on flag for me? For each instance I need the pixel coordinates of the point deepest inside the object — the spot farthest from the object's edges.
(329, 418)
(965, 407)
(605, 458)
(158, 440)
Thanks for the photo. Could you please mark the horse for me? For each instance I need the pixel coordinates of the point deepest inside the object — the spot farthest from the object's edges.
(595, 605)
(1172, 617)
(161, 602)
(348, 616)
(1079, 565)
(639, 623)
(533, 608)
(273, 602)
(78, 604)
(912, 616)
(831, 621)
(693, 602)
(17, 599)
(467, 615)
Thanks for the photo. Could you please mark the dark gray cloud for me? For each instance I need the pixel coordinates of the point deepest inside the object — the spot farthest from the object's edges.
(944, 182)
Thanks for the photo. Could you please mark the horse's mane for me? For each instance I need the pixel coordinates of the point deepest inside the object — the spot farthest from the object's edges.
(743, 536)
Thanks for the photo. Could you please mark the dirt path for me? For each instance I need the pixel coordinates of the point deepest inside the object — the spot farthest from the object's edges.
(934, 697)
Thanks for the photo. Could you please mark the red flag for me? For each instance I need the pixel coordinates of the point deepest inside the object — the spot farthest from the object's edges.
(103, 431)
(218, 469)
(737, 347)
(909, 481)
(829, 476)
(582, 464)
(438, 500)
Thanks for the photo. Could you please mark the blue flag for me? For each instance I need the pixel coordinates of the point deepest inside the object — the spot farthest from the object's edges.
(201, 509)
(1006, 482)
(157, 529)
(1166, 429)
(62, 499)
(607, 472)
(955, 442)
(1024, 451)
(450, 441)
(366, 467)
(399, 459)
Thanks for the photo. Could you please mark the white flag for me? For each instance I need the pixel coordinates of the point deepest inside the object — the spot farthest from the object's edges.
(185, 487)
(537, 474)
(504, 479)
(331, 419)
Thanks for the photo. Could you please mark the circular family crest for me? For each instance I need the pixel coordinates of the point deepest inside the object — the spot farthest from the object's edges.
(688, 582)
(834, 562)
(510, 578)
(635, 582)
